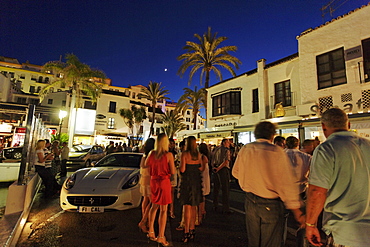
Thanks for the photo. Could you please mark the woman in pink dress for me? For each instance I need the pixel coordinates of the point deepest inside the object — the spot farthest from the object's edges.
(161, 167)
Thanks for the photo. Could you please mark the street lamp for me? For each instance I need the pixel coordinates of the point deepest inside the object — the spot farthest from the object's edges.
(62, 114)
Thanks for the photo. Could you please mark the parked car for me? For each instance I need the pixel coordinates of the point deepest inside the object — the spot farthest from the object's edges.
(84, 155)
(112, 184)
(12, 153)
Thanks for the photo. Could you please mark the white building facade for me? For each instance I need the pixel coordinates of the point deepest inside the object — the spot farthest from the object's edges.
(331, 70)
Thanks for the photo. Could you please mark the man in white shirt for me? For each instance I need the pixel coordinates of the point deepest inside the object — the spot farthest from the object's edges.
(265, 174)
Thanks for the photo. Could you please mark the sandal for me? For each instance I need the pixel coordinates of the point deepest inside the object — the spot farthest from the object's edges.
(164, 242)
(150, 236)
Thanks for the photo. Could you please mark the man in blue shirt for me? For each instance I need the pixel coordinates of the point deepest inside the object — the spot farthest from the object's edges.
(339, 184)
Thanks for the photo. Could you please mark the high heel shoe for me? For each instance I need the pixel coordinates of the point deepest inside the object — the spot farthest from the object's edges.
(142, 228)
(150, 237)
(186, 238)
(192, 234)
(163, 242)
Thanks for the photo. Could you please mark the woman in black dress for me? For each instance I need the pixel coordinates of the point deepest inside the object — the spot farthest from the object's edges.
(191, 196)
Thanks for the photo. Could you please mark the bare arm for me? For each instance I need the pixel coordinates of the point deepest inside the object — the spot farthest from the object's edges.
(42, 157)
(203, 163)
(315, 203)
(142, 161)
(183, 162)
(146, 163)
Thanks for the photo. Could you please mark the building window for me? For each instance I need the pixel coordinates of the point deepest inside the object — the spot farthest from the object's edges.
(133, 95)
(110, 123)
(64, 103)
(255, 104)
(188, 112)
(331, 69)
(46, 79)
(187, 127)
(112, 106)
(40, 79)
(34, 101)
(226, 104)
(38, 89)
(50, 101)
(283, 94)
(188, 119)
(22, 76)
(33, 77)
(32, 89)
(366, 57)
(89, 105)
(21, 100)
(11, 74)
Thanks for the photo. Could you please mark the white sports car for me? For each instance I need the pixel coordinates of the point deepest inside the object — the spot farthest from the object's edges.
(112, 184)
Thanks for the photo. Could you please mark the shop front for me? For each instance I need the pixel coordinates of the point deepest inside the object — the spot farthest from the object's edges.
(215, 137)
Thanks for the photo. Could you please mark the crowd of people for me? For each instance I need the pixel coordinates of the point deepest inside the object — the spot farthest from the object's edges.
(276, 173)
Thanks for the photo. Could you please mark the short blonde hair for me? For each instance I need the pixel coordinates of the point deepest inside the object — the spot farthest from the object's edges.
(40, 144)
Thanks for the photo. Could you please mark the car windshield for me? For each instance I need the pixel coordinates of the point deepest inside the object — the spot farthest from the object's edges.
(81, 149)
(121, 160)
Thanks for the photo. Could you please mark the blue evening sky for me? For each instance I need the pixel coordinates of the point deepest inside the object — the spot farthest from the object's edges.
(135, 41)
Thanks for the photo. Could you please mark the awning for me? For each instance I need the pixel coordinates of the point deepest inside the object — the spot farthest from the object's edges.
(215, 134)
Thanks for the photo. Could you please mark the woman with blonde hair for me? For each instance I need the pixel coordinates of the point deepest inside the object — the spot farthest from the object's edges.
(51, 186)
(191, 195)
(161, 167)
(145, 186)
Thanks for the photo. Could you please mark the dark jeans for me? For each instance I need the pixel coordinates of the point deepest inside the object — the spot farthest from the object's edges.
(222, 179)
(264, 221)
(51, 186)
(63, 168)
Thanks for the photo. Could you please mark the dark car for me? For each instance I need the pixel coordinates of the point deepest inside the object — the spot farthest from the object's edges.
(12, 153)
(84, 155)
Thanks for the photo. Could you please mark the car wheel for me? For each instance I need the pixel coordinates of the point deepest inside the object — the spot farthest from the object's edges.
(88, 163)
(17, 155)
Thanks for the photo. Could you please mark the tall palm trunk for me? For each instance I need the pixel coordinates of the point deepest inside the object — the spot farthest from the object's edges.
(152, 125)
(72, 119)
(195, 113)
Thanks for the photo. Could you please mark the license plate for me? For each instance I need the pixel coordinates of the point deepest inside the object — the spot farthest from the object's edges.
(90, 209)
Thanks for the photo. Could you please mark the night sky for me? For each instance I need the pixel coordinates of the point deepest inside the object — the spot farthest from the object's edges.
(135, 41)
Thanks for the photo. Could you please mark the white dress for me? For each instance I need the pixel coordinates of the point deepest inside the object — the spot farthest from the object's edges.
(206, 182)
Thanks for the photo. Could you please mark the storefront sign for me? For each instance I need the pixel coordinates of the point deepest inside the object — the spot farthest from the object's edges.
(52, 131)
(226, 124)
(215, 135)
(353, 53)
(20, 130)
(348, 108)
(6, 128)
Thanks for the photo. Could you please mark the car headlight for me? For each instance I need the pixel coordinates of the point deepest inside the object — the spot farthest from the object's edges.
(131, 182)
(70, 182)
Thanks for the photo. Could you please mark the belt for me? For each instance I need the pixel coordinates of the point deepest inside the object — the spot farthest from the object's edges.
(160, 177)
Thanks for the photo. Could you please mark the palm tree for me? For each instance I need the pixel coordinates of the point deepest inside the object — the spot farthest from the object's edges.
(192, 100)
(173, 123)
(208, 57)
(154, 92)
(133, 117)
(77, 76)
